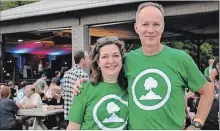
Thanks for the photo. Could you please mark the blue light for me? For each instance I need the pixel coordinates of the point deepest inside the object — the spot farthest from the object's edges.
(56, 53)
(21, 51)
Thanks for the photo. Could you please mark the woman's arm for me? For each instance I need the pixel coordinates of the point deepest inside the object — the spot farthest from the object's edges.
(73, 126)
(51, 107)
(58, 107)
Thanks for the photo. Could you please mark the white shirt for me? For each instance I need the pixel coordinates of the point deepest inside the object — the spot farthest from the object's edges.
(34, 99)
(40, 67)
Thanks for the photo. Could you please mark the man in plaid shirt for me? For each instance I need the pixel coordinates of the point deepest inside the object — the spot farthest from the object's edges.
(82, 60)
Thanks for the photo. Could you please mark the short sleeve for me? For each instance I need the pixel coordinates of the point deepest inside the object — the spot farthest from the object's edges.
(37, 100)
(125, 65)
(22, 101)
(78, 107)
(195, 78)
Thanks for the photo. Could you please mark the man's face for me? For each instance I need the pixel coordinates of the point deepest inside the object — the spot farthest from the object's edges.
(149, 26)
(29, 92)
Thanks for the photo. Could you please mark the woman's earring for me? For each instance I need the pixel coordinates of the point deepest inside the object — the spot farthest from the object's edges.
(99, 68)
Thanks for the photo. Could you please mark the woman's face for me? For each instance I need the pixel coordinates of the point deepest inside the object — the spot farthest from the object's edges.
(110, 60)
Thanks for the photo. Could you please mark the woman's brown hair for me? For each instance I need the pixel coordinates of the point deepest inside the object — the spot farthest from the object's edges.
(5, 91)
(96, 75)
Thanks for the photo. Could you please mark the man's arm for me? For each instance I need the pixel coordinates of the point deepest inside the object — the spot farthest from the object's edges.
(73, 126)
(206, 99)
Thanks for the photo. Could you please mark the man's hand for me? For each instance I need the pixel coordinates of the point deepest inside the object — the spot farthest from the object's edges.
(77, 85)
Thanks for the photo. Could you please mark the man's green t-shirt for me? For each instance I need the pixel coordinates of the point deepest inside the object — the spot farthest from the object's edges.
(207, 71)
(156, 88)
(101, 106)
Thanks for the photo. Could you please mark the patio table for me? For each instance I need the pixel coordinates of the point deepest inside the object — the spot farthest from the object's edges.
(38, 114)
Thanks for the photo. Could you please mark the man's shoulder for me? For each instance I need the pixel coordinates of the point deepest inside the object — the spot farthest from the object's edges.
(176, 52)
(6, 101)
(35, 95)
(134, 52)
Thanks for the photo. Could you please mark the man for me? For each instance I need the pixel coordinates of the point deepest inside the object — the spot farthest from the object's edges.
(21, 91)
(31, 100)
(76, 72)
(209, 68)
(156, 85)
(56, 79)
(41, 84)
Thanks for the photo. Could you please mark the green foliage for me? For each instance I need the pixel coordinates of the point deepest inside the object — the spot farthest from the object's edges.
(206, 50)
(12, 4)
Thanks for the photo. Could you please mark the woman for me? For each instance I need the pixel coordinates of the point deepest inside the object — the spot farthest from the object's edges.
(102, 103)
(8, 110)
(14, 90)
(56, 102)
(215, 77)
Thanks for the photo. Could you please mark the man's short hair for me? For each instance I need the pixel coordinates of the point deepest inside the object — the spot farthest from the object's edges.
(43, 75)
(56, 73)
(141, 6)
(78, 55)
(32, 87)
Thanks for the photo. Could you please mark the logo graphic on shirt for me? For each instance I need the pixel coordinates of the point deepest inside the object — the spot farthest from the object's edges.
(150, 85)
(111, 108)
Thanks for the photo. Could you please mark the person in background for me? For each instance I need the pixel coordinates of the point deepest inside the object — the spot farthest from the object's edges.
(214, 77)
(56, 79)
(103, 99)
(209, 68)
(21, 91)
(40, 67)
(8, 110)
(56, 102)
(14, 90)
(41, 85)
(30, 101)
(212, 121)
(76, 72)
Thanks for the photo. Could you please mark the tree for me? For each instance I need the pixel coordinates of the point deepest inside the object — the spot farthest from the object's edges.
(150, 83)
(206, 50)
(112, 107)
(12, 4)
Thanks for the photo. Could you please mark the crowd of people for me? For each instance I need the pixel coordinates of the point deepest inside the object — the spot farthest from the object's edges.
(151, 88)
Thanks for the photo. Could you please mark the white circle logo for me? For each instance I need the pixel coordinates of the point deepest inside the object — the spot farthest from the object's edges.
(160, 104)
(111, 96)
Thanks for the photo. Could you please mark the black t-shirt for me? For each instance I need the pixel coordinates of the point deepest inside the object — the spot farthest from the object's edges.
(13, 93)
(54, 102)
(212, 120)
